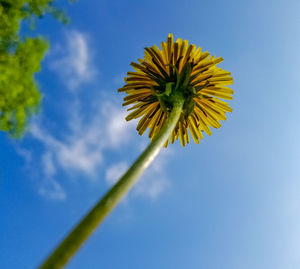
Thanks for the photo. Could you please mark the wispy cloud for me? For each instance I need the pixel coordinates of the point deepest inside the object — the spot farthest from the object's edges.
(25, 153)
(74, 62)
(49, 167)
(50, 188)
(114, 172)
(81, 148)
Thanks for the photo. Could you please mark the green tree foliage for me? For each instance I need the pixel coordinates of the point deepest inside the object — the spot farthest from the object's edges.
(20, 59)
(19, 95)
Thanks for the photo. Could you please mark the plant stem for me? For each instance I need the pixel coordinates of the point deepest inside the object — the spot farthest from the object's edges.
(70, 245)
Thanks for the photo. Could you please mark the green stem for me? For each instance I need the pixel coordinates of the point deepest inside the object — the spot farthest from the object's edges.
(70, 245)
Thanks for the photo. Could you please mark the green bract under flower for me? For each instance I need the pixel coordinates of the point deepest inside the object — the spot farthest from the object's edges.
(177, 70)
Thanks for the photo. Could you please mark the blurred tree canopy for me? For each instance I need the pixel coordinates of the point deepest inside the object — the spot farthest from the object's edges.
(20, 59)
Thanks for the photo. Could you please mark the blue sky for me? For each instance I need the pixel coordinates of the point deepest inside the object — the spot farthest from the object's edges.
(230, 202)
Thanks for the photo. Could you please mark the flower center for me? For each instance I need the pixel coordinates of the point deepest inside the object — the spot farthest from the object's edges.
(177, 86)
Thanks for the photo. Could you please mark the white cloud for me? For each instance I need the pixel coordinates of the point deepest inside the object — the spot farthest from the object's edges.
(81, 148)
(50, 188)
(26, 154)
(49, 167)
(114, 172)
(75, 65)
(151, 186)
(117, 128)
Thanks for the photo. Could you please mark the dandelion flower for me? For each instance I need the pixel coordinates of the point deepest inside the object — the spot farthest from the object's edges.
(172, 90)
(177, 68)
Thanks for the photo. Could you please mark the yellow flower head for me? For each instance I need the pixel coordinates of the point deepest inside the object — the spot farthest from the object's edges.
(177, 67)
